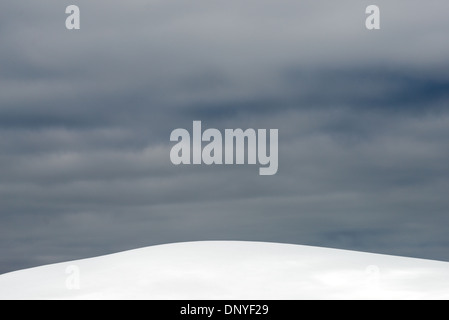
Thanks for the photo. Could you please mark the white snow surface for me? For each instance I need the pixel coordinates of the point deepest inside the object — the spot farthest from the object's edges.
(232, 270)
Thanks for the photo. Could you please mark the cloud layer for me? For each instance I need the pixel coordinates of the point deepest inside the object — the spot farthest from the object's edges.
(85, 120)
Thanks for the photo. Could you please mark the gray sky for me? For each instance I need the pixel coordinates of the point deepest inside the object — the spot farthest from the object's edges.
(86, 117)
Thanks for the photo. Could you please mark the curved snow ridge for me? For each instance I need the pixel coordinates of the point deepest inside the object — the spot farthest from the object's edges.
(232, 270)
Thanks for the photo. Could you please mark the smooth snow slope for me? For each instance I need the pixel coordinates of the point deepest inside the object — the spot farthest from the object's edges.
(232, 270)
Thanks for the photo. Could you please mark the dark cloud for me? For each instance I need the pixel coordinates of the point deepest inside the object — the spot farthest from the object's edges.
(86, 116)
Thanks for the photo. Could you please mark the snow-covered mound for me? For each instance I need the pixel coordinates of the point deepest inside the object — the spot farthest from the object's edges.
(232, 270)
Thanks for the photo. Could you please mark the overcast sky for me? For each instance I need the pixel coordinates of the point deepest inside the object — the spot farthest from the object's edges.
(86, 117)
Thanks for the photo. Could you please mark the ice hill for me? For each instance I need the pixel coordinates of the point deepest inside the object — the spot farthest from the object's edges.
(232, 270)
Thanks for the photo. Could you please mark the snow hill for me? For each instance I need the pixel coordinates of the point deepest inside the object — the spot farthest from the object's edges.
(232, 270)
